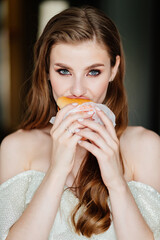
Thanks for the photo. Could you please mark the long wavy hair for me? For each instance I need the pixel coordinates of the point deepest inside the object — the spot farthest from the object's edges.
(76, 25)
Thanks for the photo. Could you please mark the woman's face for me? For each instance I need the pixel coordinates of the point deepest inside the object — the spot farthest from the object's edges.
(81, 70)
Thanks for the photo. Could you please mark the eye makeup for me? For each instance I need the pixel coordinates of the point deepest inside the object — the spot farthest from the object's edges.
(62, 71)
(92, 72)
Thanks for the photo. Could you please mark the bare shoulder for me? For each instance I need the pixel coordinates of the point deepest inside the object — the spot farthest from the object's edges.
(16, 153)
(133, 133)
(142, 150)
(142, 139)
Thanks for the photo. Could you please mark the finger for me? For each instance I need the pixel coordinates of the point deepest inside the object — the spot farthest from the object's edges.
(68, 121)
(73, 128)
(91, 148)
(108, 124)
(98, 152)
(74, 139)
(61, 113)
(70, 139)
(101, 130)
(95, 138)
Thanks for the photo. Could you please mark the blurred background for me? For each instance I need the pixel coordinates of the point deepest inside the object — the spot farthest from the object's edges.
(21, 22)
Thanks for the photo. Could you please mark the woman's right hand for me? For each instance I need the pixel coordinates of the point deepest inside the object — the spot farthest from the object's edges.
(64, 140)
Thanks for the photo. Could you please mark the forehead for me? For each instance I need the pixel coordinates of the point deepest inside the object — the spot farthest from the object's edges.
(80, 52)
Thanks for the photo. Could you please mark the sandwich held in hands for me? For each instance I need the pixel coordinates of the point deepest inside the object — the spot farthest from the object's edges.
(63, 101)
(85, 105)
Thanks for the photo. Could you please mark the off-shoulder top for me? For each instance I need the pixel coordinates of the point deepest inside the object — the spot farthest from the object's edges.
(17, 192)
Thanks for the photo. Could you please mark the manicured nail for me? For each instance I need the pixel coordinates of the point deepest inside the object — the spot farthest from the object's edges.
(79, 141)
(90, 112)
(74, 104)
(80, 119)
(97, 108)
(77, 130)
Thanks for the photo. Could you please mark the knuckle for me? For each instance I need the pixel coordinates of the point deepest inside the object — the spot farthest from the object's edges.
(58, 113)
(54, 135)
(96, 137)
(61, 140)
(52, 130)
(68, 145)
(116, 146)
(110, 153)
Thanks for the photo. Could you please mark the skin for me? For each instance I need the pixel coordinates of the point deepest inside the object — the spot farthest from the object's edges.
(25, 150)
(77, 80)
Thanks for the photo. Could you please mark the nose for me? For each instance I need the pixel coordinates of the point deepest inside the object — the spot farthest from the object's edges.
(78, 88)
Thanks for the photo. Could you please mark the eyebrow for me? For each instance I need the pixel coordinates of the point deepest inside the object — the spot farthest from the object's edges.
(89, 67)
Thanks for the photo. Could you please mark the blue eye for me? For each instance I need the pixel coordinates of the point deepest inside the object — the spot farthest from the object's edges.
(94, 72)
(63, 71)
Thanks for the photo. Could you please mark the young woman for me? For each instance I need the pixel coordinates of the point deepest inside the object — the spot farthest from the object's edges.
(78, 179)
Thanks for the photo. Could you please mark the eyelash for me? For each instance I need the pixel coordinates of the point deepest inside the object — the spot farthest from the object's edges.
(93, 70)
(62, 69)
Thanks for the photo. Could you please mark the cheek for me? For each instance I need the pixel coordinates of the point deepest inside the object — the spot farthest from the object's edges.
(55, 88)
(101, 91)
(58, 87)
(54, 82)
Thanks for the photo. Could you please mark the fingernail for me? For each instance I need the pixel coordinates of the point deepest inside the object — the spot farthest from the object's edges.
(77, 130)
(80, 119)
(97, 108)
(90, 112)
(74, 104)
(79, 141)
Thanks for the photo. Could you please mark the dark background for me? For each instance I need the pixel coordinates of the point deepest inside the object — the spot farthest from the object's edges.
(138, 24)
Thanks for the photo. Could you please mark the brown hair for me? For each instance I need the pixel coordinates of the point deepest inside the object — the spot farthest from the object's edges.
(71, 26)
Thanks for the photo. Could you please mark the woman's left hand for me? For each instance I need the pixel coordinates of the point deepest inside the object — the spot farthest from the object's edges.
(104, 145)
